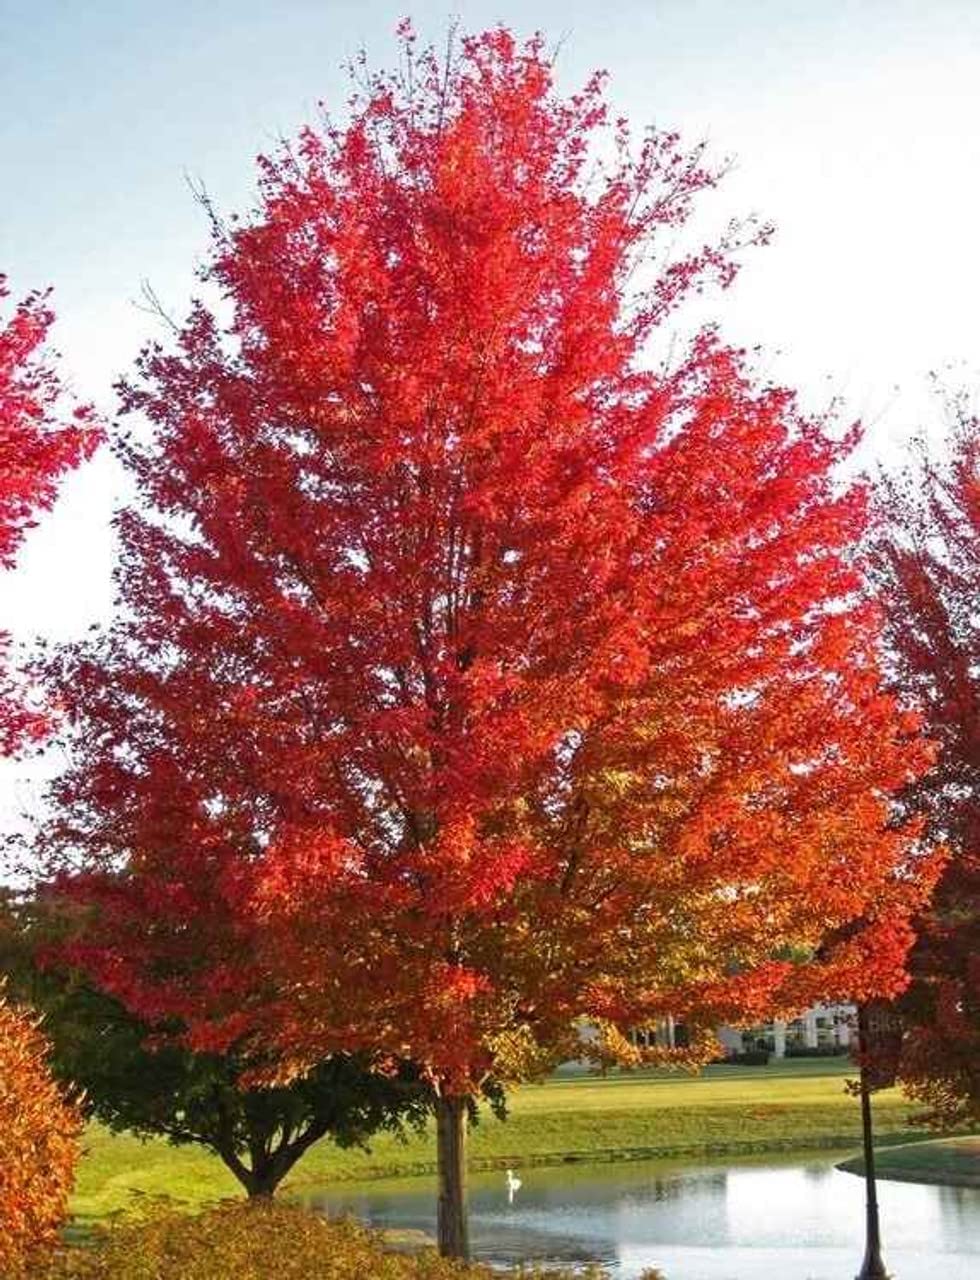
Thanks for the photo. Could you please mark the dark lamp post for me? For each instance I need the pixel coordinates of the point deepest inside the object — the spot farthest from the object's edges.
(879, 1045)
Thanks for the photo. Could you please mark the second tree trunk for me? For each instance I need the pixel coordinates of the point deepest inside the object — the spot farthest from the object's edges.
(453, 1230)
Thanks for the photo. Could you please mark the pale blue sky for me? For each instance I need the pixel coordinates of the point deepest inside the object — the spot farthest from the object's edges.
(854, 123)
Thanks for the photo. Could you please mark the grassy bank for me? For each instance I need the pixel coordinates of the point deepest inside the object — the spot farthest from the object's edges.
(727, 1110)
(953, 1162)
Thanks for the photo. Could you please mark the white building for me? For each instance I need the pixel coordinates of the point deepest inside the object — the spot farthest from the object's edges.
(826, 1027)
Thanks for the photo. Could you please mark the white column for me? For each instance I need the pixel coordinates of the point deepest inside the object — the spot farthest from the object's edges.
(810, 1038)
(779, 1038)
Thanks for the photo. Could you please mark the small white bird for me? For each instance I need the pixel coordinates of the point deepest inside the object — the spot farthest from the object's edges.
(513, 1184)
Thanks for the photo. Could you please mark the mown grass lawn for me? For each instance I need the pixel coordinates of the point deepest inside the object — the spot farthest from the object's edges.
(735, 1110)
(949, 1161)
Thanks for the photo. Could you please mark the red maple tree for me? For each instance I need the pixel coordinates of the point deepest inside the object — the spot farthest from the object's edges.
(498, 677)
(36, 447)
(928, 560)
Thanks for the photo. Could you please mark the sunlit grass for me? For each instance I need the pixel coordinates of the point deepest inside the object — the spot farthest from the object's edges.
(950, 1161)
(792, 1105)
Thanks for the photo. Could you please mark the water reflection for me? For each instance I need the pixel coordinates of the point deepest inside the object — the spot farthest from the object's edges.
(752, 1221)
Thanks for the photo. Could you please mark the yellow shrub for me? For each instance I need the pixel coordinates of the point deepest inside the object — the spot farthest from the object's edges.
(262, 1242)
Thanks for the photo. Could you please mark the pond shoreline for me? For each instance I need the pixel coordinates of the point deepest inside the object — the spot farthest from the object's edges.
(692, 1152)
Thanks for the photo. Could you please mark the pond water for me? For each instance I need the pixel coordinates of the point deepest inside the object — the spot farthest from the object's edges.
(767, 1219)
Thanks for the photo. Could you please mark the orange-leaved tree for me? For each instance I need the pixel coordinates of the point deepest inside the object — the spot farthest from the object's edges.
(38, 1126)
(496, 670)
(39, 1148)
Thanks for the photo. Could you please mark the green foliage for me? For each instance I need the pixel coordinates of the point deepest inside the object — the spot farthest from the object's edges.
(256, 1241)
(746, 1058)
(816, 1051)
(198, 1097)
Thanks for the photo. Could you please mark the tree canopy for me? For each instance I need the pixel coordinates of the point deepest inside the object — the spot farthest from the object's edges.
(929, 573)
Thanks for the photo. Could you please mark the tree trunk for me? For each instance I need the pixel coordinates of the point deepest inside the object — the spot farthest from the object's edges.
(261, 1180)
(453, 1229)
(262, 1185)
(269, 1168)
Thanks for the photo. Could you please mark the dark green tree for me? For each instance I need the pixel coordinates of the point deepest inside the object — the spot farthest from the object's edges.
(140, 1077)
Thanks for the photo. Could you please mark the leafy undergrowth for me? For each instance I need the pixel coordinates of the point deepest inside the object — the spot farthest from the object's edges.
(256, 1241)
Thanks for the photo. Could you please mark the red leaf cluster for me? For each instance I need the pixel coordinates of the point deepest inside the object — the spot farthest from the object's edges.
(35, 450)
